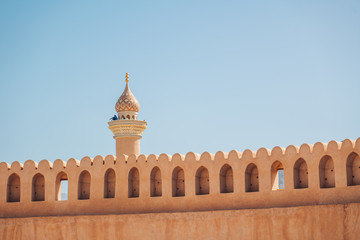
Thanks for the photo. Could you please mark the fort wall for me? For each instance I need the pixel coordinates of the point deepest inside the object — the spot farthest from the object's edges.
(316, 174)
(330, 222)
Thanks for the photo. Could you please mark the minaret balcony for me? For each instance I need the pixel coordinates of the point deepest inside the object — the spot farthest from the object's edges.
(127, 128)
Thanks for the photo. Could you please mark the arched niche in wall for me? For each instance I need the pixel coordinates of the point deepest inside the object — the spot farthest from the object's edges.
(277, 176)
(13, 188)
(202, 185)
(155, 183)
(226, 179)
(60, 183)
(251, 178)
(326, 172)
(109, 183)
(353, 169)
(178, 182)
(84, 185)
(38, 188)
(300, 174)
(133, 183)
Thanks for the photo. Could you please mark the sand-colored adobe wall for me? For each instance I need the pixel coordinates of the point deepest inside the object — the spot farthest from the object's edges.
(330, 222)
(238, 199)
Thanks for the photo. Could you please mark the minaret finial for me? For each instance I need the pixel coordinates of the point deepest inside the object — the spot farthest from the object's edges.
(127, 77)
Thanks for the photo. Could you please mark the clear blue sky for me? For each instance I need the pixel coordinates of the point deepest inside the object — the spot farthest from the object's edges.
(209, 75)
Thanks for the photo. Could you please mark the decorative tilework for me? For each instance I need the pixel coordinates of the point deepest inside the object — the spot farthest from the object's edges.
(127, 101)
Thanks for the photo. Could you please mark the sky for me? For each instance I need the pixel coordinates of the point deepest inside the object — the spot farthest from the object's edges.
(209, 75)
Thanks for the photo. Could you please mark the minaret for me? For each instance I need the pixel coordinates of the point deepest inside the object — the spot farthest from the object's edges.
(127, 129)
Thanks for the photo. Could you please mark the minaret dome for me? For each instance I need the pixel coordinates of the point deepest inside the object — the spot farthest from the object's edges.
(127, 106)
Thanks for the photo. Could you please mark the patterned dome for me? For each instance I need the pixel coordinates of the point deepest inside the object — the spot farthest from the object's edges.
(127, 101)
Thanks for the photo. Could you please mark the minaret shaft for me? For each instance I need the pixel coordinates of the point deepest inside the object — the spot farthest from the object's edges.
(127, 146)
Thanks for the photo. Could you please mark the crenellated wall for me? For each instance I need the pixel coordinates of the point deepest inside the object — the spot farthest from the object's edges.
(313, 175)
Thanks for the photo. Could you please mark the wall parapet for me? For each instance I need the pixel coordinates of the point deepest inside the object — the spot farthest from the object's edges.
(323, 173)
